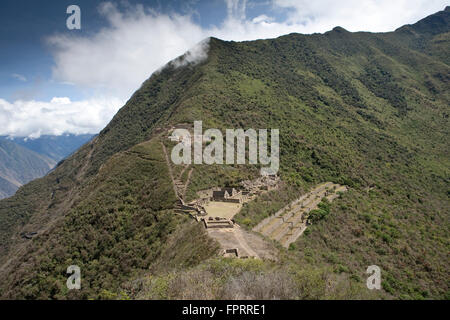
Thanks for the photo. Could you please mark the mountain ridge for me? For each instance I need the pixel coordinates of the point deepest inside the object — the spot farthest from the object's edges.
(24, 159)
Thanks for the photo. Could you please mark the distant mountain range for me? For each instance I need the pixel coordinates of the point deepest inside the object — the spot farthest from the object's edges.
(25, 159)
(54, 147)
(18, 166)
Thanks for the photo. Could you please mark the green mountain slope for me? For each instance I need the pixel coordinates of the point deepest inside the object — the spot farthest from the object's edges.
(6, 188)
(18, 166)
(368, 110)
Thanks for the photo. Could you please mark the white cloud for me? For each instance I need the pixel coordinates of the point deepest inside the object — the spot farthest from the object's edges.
(19, 77)
(262, 18)
(138, 41)
(196, 54)
(358, 15)
(121, 56)
(60, 115)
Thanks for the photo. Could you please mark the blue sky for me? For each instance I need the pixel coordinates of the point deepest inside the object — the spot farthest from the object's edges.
(25, 26)
(54, 80)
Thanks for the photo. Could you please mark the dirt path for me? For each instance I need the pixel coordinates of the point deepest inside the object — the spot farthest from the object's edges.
(88, 160)
(179, 187)
(183, 170)
(248, 244)
(243, 243)
(188, 180)
(170, 170)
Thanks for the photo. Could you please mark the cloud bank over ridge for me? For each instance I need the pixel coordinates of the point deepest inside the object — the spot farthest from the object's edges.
(137, 41)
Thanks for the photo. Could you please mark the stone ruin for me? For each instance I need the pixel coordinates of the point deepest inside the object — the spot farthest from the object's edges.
(247, 191)
(217, 223)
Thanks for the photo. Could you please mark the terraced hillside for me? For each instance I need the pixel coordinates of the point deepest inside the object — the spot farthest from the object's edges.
(287, 224)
